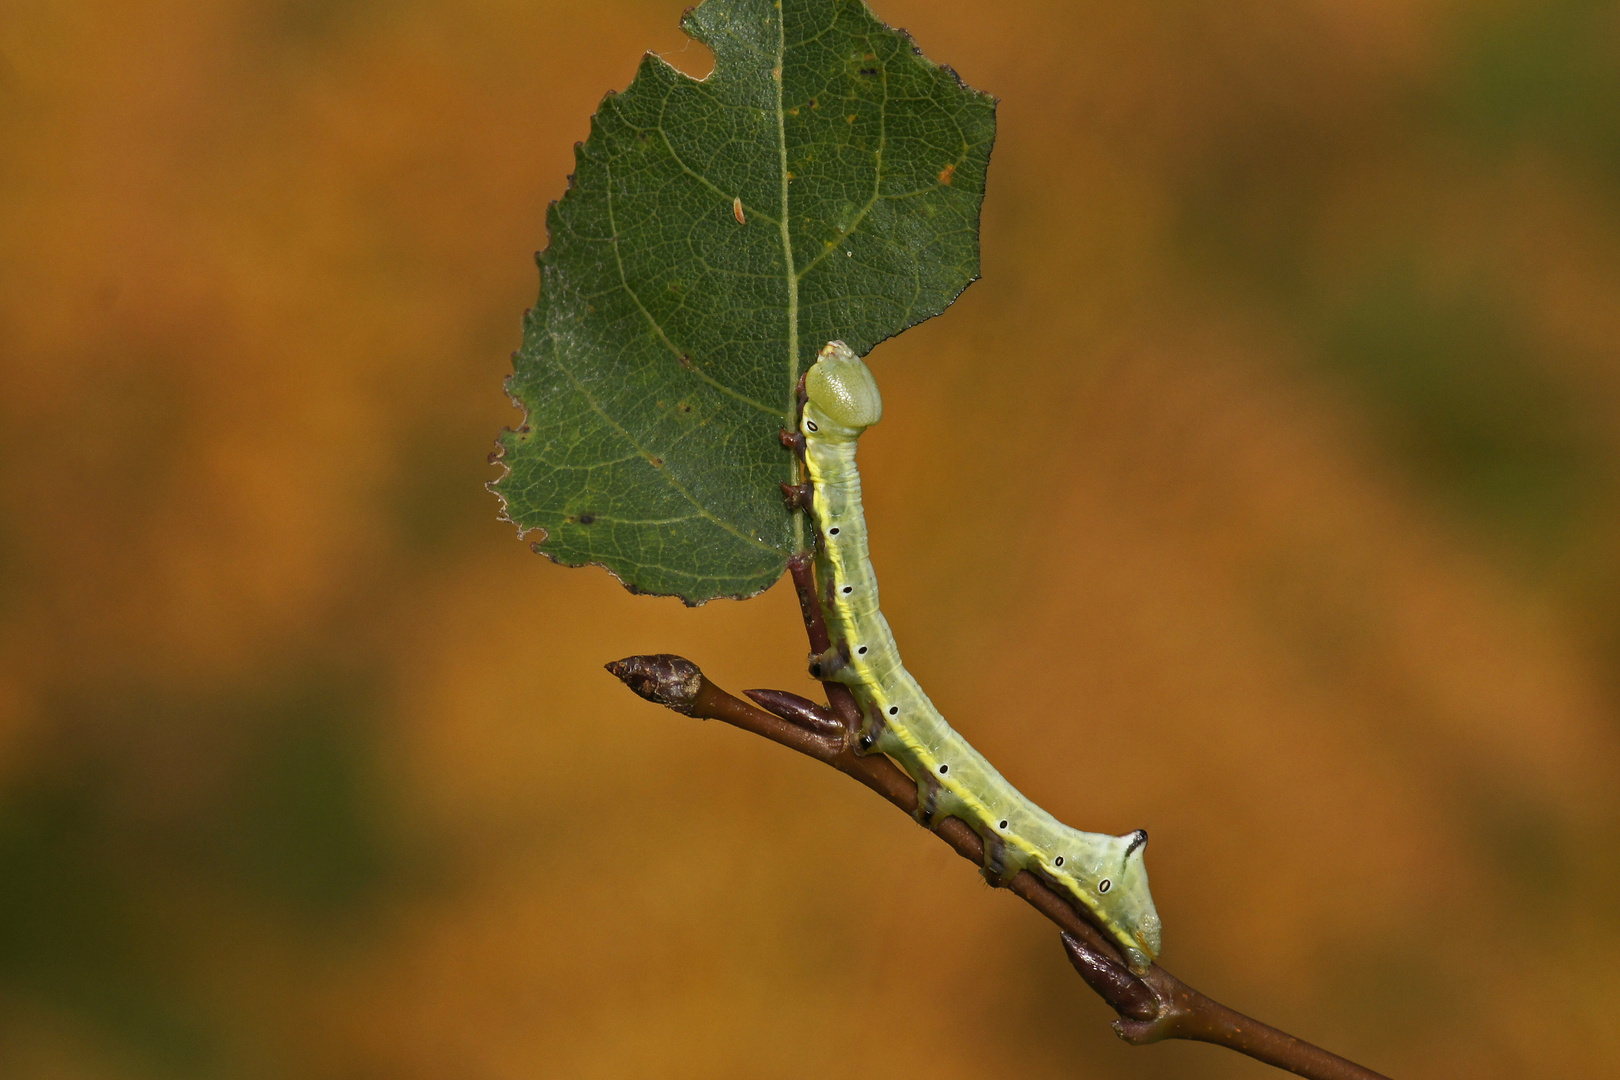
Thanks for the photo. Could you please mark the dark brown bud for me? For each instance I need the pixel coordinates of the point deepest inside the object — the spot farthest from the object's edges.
(1124, 992)
(669, 680)
(802, 711)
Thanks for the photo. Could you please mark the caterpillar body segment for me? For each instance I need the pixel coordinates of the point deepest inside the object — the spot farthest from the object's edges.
(1103, 874)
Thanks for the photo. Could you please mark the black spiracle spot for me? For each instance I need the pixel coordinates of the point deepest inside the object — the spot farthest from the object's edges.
(894, 710)
(1058, 861)
(1104, 885)
(861, 650)
(943, 769)
(833, 531)
(1003, 824)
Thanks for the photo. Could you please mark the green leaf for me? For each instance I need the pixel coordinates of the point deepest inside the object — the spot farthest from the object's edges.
(824, 182)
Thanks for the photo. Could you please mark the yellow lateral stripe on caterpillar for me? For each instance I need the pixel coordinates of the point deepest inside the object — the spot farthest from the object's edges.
(1104, 874)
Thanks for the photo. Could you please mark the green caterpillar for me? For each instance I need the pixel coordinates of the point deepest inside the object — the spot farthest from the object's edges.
(1104, 874)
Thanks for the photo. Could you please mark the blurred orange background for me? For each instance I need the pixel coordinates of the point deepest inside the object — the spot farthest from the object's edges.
(1277, 515)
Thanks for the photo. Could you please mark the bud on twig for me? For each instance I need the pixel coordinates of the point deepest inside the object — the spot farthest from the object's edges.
(668, 680)
(1124, 992)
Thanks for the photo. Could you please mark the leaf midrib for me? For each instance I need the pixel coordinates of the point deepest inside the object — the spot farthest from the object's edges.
(784, 229)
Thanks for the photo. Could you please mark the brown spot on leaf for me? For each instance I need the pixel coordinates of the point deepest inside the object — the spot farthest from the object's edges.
(586, 519)
(686, 361)
(737, 211)
(946, 173)
(657, 462)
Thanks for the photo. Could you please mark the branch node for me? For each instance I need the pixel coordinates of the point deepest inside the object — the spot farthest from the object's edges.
(664, 678)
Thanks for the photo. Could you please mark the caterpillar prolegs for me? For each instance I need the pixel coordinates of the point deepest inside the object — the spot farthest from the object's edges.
(1104, 874)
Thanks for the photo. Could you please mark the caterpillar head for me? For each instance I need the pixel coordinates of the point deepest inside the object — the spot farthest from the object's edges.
(842, 397)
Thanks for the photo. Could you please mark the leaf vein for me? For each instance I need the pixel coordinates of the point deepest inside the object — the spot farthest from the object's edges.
(624, 283)
(596, 407)
(877, 181)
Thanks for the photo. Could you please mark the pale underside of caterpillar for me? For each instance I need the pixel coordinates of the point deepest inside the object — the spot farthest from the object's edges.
(1104, 875)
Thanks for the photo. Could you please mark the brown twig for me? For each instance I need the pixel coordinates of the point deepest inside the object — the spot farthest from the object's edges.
(1151, 1007)
(815, 628)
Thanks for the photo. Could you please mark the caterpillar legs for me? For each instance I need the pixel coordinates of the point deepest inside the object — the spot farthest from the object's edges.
(928, 792)
(996, 869)
(796, 496)
(825, 666)
(934, 802)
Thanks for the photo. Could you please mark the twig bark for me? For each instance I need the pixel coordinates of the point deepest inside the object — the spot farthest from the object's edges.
(1151, 1007)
